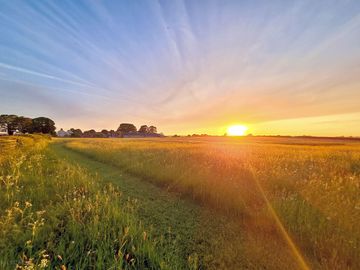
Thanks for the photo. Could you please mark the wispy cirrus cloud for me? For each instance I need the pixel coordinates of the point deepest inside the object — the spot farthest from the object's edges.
(201, 64)
(44, 75)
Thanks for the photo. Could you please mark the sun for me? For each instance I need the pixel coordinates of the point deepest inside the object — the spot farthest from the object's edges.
(237, 130)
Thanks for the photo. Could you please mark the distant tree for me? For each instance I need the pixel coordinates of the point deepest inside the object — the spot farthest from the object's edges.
(144, 129)
(3, 118)
(126, 128)
(89, 133)
(9, 120)
(105, 133)
(152, 129)
(24, 124)
(75, 133)
(99, 135)
(112, 133)
(118, 134)
(43, 125)
(27, 125)
(6, 118)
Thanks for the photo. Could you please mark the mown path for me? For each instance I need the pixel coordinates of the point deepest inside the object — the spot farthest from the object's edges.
(197, 232)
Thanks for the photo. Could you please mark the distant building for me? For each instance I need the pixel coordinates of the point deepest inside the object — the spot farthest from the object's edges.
(17, 132)
(62, 133)
(3, 130)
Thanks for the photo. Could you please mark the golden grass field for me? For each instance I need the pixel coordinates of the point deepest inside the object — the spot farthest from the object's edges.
(294, 201)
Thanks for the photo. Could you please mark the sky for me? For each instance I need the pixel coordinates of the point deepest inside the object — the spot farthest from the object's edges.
(279, 67)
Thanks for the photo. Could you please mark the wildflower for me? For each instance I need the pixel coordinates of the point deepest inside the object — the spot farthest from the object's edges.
(44, 263)
(28, 204)
(39, 213)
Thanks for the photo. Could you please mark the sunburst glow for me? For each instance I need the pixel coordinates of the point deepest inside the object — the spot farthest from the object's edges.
(237, 130)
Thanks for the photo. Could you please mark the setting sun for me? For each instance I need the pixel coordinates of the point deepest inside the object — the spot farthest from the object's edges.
(237, 130)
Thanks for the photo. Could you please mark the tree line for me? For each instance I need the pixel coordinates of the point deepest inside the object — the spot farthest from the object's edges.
(14, 124)
(20, 124)
(124, 130)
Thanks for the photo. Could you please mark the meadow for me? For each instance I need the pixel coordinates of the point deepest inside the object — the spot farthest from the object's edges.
(299, 193)
(180, 203)
(54, 215)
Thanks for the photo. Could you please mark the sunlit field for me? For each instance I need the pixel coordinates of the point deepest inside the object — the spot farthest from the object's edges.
(262, 203)
(312, 186)
(54, 215)
(179, 135)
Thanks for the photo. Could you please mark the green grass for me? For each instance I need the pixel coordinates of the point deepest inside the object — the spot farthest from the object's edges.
(314, 188)
(56, 215)
(200, 203)
(200, 238)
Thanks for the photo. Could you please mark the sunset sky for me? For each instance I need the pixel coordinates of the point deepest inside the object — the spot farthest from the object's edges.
(279, 67)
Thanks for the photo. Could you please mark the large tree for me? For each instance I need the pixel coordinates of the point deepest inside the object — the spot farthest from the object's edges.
(89, 133)
(105, 133)
(9, 120)
(24, 124)
(16, 123)
(152, 129)
(112, 133)
(144, 129)
(27, 125)
(43, 125)
(76, 133)
(126, 128)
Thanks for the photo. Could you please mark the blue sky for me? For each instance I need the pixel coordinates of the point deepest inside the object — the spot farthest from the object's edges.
(184, 66)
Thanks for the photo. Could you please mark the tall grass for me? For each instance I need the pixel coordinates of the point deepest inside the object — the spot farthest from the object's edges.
(314, 189)
(54, 215)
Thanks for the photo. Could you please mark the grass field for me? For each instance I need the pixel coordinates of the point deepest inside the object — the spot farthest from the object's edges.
(55, 215)
(180, 203)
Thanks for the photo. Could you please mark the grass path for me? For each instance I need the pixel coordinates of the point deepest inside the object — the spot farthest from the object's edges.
(197, 232)
(201, 237)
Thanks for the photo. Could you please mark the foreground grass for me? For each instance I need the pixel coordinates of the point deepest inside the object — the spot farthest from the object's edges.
(313, 190)
(54, 215)
(199, 237)
(260, 197)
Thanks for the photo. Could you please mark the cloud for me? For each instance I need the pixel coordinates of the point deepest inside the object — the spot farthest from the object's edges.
(198, 64)
(47, 76)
